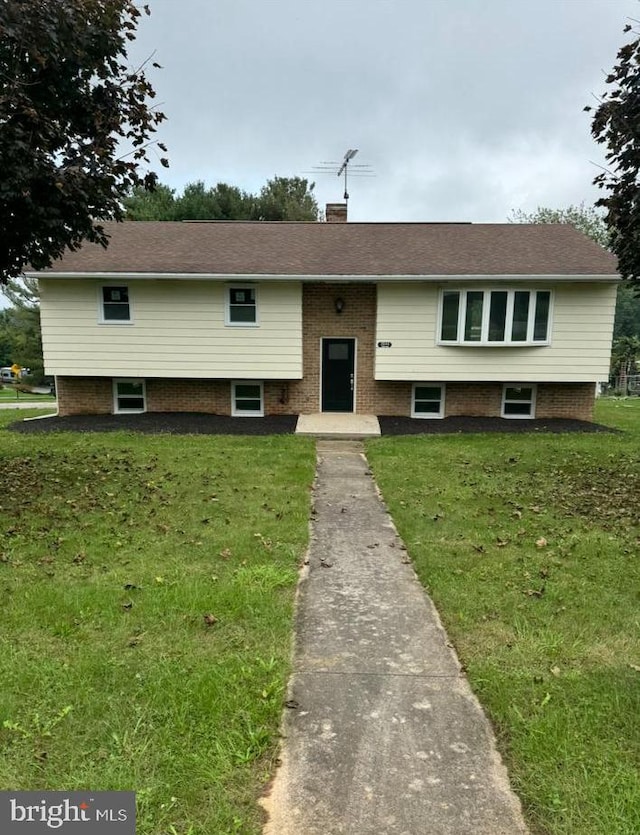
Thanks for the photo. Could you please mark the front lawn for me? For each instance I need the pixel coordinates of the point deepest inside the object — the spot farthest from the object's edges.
(147, 586)
(529, 546)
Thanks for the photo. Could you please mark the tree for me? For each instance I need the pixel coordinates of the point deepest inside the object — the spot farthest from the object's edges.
(20, 336)
(283, 198)
(286, 198)
(150, 204)
(616, 124)
(76, 124)
(624, 361)
(591, 222)
(223, 202)
(586, 219)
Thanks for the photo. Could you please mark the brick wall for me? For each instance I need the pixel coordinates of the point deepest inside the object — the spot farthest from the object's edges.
(84, 395)
(357, 320)
(87, 395)
(211, 397)
(566, 400)
(473, 399)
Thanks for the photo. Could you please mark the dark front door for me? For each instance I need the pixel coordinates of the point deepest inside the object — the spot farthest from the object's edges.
(338, 370)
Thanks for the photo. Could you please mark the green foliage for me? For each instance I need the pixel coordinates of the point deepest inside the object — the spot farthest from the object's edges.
(68, 104)
(286, 199)
(586, 219)
(591, 222)
(283, 198)
(615, 125)
(20, 335)
(157, 203)
(21, 340)
(627, 320)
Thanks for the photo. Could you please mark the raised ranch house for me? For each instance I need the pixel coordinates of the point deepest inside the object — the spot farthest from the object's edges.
(251, 318)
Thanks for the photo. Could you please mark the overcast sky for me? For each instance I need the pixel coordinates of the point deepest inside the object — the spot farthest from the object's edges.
(464, 109)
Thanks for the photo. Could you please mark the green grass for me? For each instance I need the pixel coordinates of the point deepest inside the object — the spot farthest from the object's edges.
(529, 546)
(147, 586)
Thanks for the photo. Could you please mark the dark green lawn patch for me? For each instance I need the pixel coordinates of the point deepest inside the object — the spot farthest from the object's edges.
(147, 586)
(529, 546)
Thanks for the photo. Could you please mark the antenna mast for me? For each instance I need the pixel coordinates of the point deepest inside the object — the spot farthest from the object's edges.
(344, 167)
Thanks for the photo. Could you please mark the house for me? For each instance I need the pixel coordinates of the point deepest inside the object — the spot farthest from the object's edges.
(253, 318)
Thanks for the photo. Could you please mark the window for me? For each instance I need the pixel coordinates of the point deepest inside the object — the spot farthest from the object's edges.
(247, 399)
(115, 304)
(241, 306)
(129, 396)
(427, 400)
(495, 317)
(518, 401)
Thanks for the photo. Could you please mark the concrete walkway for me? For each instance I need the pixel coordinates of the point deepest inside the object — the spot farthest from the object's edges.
(382, 735)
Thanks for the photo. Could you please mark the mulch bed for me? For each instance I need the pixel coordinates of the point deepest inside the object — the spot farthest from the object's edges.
(459, 425)
(196, 423)
(171, 423)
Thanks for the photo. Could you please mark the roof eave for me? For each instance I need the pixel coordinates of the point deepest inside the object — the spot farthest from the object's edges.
(333, 278)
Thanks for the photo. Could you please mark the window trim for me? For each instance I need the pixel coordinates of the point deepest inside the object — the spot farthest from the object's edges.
(428, 415)
(532, 411)
(235, 412)
(484, 341)
(227, 306)
(116, 409)
(101, 317)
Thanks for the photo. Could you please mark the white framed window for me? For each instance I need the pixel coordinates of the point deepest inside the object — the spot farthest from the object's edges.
(247, 398)
(519, 401)
(427, 400)
(115, 307)
(129, 396)
(241, 307)
(494, 317)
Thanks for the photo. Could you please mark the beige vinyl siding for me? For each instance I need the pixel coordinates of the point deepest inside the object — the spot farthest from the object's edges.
(581, 327)
(178, 329)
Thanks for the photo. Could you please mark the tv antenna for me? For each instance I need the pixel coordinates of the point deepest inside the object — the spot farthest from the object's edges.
(346, 167)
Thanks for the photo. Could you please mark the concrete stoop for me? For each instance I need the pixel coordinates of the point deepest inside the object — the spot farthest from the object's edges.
(337, 425)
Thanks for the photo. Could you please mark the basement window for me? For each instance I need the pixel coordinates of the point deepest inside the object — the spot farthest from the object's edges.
(427, 400)
(129, 397)
(247, 399)
(519, 401)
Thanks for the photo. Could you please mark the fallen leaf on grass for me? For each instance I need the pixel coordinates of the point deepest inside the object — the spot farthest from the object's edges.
(541, 543)
(635, 667)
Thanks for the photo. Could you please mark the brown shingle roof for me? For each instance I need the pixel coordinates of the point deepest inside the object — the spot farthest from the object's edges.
(334, 249)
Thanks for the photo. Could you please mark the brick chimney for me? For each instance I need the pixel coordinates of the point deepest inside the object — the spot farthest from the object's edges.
(336, 213)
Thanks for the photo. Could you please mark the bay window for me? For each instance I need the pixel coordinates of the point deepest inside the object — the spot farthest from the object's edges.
(495, 317)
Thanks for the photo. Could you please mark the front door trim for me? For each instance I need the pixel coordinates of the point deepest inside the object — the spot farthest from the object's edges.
(354, 342)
